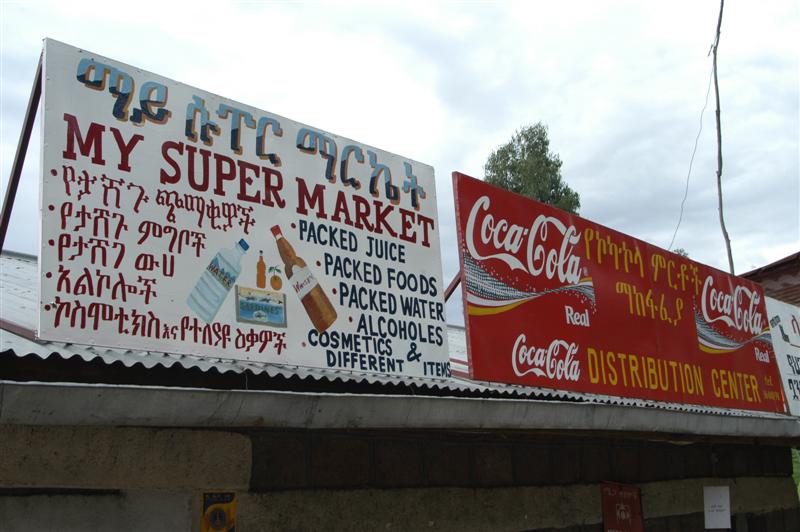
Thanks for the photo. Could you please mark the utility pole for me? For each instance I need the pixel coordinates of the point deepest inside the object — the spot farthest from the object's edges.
(719, 143)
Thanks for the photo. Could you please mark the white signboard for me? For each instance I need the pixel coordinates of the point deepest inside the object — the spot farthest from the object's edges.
(177, 220)
(784, 322)
(717, 506)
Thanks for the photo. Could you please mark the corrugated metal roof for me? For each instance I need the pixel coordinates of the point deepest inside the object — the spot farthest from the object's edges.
(23, 347)
(793, 258)
(780, 280)
(19, 289)
(18, 305)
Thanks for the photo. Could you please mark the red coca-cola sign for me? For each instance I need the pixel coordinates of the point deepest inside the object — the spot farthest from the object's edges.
(556, 301)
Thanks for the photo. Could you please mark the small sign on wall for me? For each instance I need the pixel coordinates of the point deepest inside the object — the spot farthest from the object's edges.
(717, 506)
(622, 508)
(219, 512)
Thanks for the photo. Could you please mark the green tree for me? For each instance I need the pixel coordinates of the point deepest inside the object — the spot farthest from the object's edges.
(526, 165)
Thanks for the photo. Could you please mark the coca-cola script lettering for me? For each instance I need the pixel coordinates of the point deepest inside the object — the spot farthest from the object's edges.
(559, 302)
(508, 239)
(737, 309)
(547, 361)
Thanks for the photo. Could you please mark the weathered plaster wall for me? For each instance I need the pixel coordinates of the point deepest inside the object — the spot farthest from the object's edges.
(130, 511)
(91, 478)
(129, 458)
(517, 508)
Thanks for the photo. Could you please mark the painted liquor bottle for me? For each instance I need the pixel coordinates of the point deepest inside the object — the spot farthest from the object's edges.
(315, 301)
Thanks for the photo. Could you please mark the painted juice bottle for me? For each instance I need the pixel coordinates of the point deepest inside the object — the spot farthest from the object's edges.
(261, 271)
(216, 281)
(315, 301)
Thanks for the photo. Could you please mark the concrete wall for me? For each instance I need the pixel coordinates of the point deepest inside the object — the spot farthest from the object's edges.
(129, 511)
(123, 458)
(576, 507)
(81, 478)
(386, 460)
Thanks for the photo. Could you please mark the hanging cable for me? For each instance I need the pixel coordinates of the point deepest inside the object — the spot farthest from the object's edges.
(691, 161)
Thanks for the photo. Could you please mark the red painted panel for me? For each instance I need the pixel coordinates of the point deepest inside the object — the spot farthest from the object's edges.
(554, 300)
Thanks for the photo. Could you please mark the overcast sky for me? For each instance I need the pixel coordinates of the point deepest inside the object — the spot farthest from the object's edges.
(619, 84)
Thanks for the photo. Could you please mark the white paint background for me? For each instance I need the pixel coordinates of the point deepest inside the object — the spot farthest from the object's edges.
(63, 93)
(785, 312)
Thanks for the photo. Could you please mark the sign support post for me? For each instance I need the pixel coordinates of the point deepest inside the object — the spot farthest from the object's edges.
(452, 286)
(22, 149)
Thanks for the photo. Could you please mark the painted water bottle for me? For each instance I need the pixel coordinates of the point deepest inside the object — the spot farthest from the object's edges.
(216, 281)
(317, 305)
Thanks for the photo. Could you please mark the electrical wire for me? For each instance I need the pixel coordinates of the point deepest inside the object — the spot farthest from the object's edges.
(691, 161)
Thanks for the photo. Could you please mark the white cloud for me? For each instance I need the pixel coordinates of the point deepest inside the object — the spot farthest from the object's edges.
(620, 85)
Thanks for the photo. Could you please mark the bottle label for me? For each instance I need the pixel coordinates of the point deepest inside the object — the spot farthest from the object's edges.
(303, 282)
(220, 274)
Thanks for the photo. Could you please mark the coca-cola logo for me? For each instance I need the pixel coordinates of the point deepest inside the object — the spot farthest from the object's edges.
(556, 361)
(548, 243)
(737, 308)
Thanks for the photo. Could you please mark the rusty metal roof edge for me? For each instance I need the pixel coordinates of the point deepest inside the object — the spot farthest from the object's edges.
(21, 346)
(647, 403)
(780, 262)
(19, 255)
(129, 358)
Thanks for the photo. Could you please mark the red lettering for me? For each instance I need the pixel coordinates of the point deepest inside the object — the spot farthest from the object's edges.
(176, 176)
(362, 213)
(223, 175)
(200, 186)
(406, 222)
(427, 224)
(245, 180)
(316, 198)
(125, 148)
(93, 142)
(380, 218)
(341, 207)
(273, 190)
